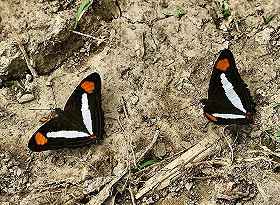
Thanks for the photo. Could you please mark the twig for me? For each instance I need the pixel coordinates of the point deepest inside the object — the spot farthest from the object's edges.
(27, 60)
(213, 162)
(206, 177)
(163, 177)
(121, 125)
(267, 150)
(255, 159)
(139, 45)
(131, 195)
(130, 142)
(99, 40)
(124, 108)
(231, 150)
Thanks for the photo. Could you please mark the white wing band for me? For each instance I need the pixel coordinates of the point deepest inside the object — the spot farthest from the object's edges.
(231, 94)
(229, 116)
(86, 113)
(67, 134)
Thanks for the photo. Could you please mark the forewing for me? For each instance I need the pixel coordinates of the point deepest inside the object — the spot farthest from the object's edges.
(85, 105)
(228, 94)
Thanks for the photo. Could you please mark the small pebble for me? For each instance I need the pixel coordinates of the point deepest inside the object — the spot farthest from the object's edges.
(29, 87)
(134, 99)
(28, 78)
(25, 98)
(48, 83)
(18, 172)
(160, 150)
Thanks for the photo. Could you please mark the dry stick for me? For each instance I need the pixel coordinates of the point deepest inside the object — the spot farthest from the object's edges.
(99, 40)
(27, 60)
(131, 195)
(231, 150)
(105, 192)
(176, 173)
(203, 149)
(130, 142)
(267, 150)
(124, 108)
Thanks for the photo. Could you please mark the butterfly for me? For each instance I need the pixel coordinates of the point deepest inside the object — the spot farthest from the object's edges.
(229, 100)
(79, 124)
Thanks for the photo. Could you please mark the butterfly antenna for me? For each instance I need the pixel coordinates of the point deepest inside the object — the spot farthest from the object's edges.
(41, 109)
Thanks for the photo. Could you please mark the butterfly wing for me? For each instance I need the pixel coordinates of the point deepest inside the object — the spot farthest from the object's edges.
(85, 104)
(80, 124)
(229, 100)
(60, 132)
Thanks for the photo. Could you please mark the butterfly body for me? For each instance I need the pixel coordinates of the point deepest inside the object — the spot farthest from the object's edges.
(79, 124)
(229, 100)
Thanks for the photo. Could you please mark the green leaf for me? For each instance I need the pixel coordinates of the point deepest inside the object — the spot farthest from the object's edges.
(153, 161)
(236, 21)
(85, 5)
(268, 19)
(179, 12)
(277, 134)
(268, 128)
(275, 105)
(176, 13)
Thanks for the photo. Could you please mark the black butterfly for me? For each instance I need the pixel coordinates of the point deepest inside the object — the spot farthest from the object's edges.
(81, 123)
(229, 100)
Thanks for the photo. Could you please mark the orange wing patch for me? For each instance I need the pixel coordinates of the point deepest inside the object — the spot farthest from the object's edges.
(40, 139)
(93, 137)
(44, 119)
(88, 86)
(249, 115)
(222, 64)
(211, 117)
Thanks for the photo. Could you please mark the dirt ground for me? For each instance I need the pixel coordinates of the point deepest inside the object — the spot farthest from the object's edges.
(158, 67)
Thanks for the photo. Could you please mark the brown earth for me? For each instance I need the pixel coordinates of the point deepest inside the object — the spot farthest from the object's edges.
(161, 89)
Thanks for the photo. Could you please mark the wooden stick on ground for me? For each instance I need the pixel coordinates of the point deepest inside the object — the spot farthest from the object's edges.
(171, 171)
(27, 59)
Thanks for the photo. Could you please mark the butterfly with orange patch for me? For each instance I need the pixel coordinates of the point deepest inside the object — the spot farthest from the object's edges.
(229, 100)
(79, 124)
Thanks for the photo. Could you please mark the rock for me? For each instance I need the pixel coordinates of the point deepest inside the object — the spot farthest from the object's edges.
(160, 150)
(95, 184)
(28, 78)
(150, 121)
(188, 186)
(134, 99)
(25, 98)
(29, 87)
(19, 172)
